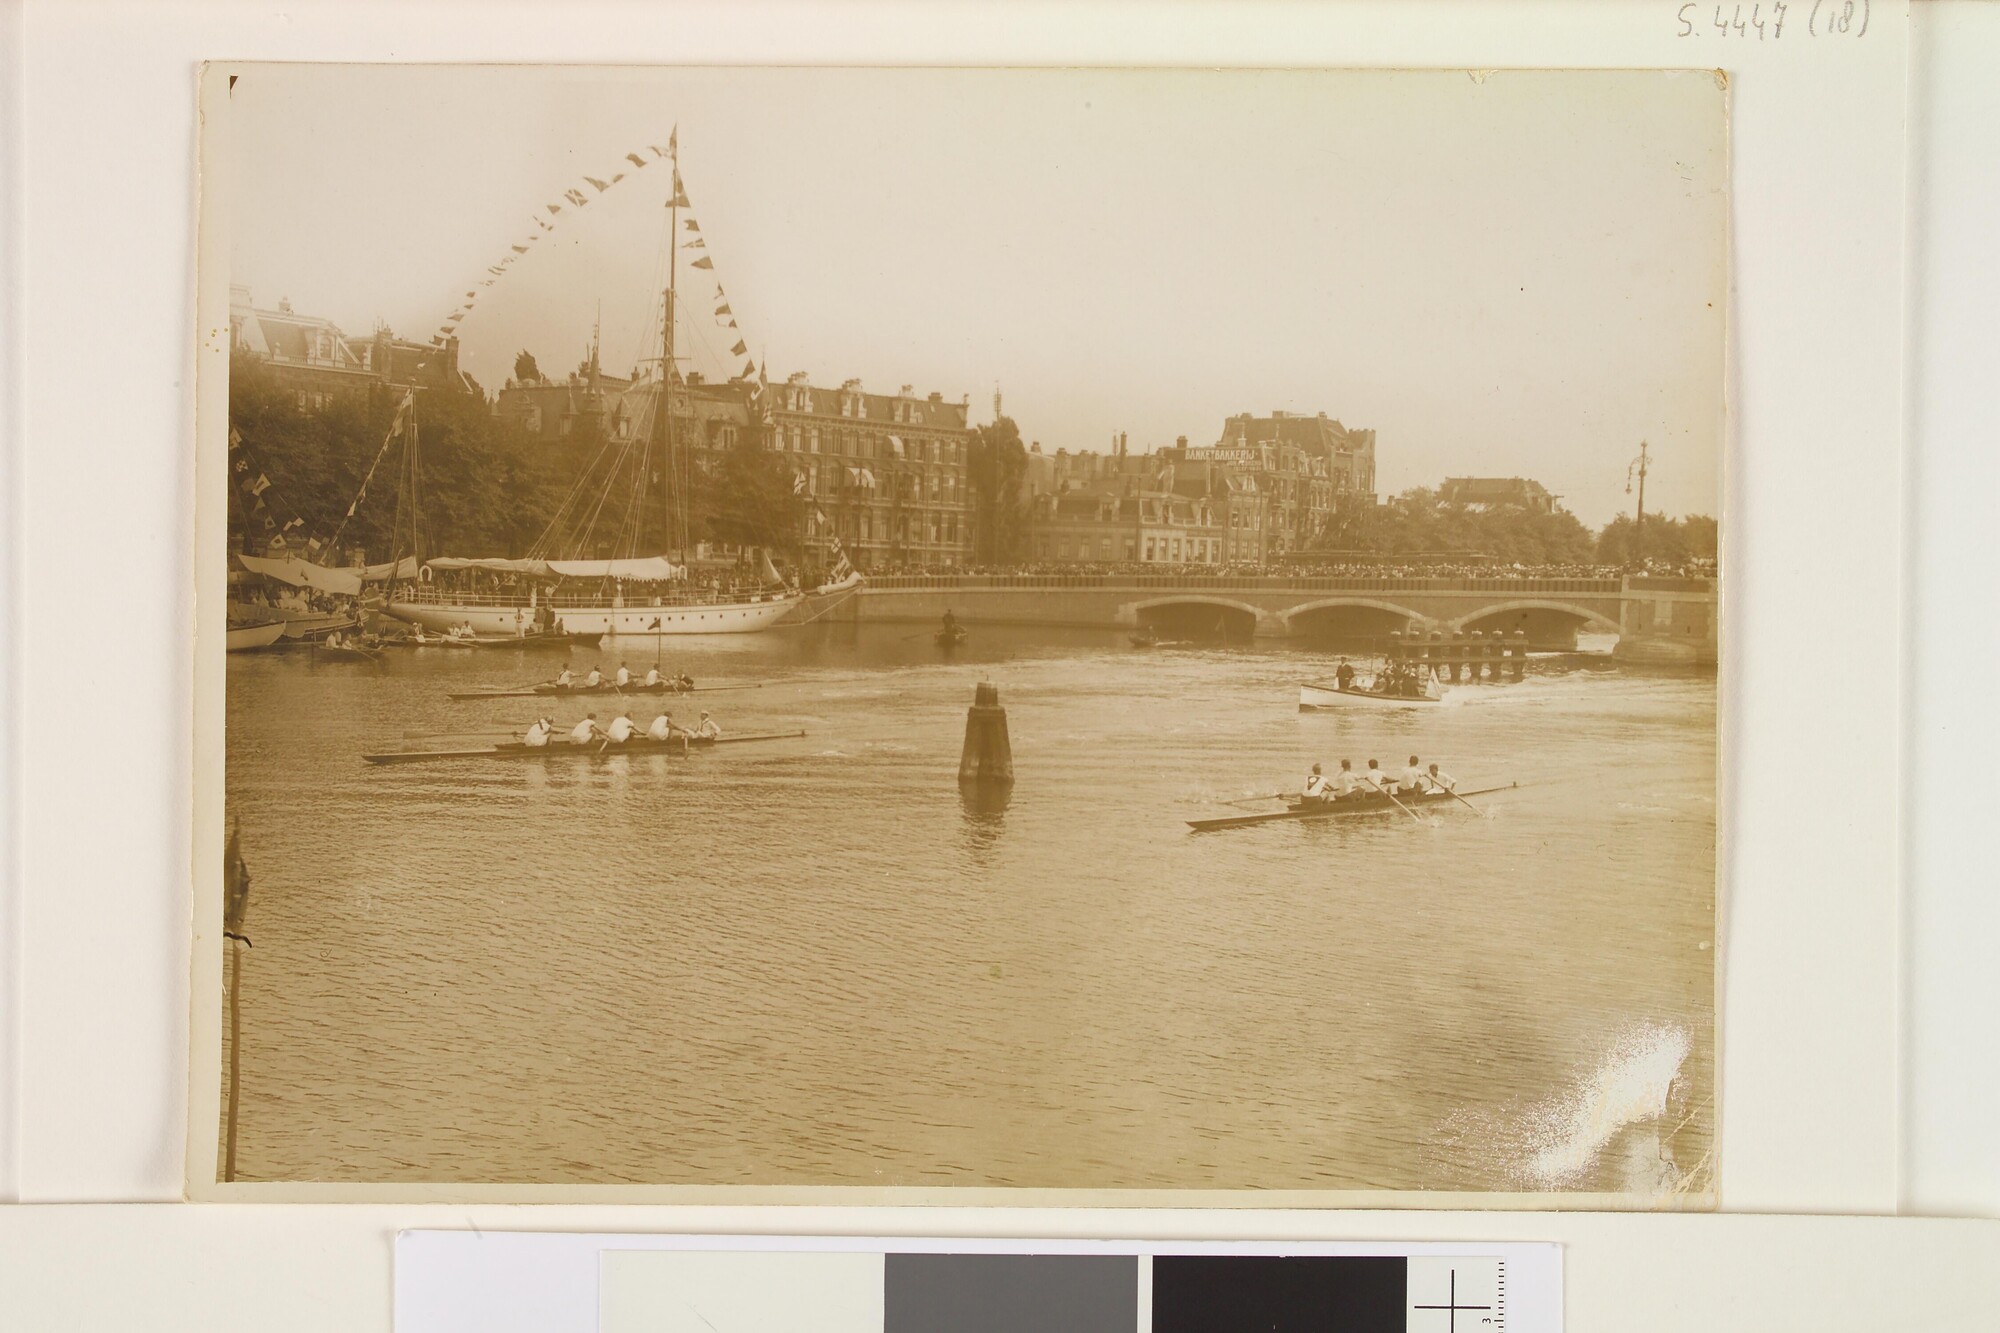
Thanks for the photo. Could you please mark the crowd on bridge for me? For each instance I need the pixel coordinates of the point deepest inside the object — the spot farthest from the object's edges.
(1306, 567)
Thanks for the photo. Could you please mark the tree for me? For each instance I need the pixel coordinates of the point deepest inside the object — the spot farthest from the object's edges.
(746, 497)
(995, 464)
(1670, 539)
(525, 369)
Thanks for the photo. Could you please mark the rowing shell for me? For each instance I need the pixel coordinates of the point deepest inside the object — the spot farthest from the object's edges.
(664, 687)
(1352, 805)
(519, 750)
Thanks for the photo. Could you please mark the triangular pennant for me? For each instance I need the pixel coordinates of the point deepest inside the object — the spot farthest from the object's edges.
(554, 208)
(635, 159)
(704, 262)
(519, 249)
(724, 309)
(601, 186)
(739, 349)
(577, 197)
(692, 225)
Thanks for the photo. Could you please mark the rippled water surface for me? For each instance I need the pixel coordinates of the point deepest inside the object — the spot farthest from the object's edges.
(812, 962)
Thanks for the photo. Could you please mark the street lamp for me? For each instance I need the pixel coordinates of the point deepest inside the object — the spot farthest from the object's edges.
(1637, 468)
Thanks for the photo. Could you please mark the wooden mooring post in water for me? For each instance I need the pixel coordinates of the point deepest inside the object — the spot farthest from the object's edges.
(235, 906)
(988, 756)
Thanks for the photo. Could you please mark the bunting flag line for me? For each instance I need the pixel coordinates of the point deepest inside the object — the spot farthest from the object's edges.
(739, 350)
(704, 262)
(692, 225)
(636, 160)
(602, 186)
(235, 439)
(696, 244)
(724, 309)
(259, 486)
(749, 369)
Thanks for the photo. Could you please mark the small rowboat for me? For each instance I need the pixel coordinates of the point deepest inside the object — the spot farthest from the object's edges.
(565, 691)
(345, 653)
(244, 638)
(518, 750)
(1373, 803)
(1332, 696)
(949, 638)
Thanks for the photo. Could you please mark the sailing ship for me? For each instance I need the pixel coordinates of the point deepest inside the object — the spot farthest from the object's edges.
(566, 584)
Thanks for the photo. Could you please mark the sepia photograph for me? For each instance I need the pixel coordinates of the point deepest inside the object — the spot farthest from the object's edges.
(1081, 635)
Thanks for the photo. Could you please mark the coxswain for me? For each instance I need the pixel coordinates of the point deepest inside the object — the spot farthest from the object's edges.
(1413, 778)
(564, 679)
(594, 679)
(1315, 792)
(1440, 781)
(684, 682)
(1344, 781)
(538, 732)
(1343, 675)
(586, 731)
(621, 729)
(707, 730)
(624, 677)
(652, 678)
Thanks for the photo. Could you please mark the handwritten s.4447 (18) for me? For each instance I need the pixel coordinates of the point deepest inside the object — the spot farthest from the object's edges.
(1826, 18)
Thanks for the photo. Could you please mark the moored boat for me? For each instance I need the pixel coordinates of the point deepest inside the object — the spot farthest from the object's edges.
(1361, 803)
(248, 636)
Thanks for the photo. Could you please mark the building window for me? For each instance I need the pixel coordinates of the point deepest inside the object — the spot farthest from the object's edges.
(1149, 548)
(1104, 549)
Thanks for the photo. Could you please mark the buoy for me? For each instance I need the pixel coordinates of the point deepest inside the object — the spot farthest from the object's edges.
(988, 756)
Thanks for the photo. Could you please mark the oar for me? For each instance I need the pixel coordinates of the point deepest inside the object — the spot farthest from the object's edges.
(1462, 801)
(1274, 796)
(1399, 805)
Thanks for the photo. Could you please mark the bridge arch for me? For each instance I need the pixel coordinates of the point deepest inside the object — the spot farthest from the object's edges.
(1184, 613)
(1350, 618)
(1547, 622)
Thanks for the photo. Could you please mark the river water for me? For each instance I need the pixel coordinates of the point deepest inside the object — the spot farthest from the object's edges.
(813, 962)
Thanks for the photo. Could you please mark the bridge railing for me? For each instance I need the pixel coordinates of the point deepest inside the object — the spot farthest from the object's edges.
(1527, 586)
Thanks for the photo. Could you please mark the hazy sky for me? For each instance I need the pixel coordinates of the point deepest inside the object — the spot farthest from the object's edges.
(1520, 274)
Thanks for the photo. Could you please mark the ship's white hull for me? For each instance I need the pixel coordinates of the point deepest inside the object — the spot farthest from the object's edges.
(718, 618)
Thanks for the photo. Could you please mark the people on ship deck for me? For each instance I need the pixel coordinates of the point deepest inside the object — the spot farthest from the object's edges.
(1343, 675)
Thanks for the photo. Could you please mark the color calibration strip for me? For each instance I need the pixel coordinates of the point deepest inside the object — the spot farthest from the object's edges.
(458, 1282)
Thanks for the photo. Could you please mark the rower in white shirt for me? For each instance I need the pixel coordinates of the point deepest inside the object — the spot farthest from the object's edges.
(564, 679)
(538, 732)
(1316, 788)
(1374, 779)
(663, 728)
(707, 730)
(623, 677)
(652, 677)
(594, 679)
(621, 729)
(586, 731)
(1440, 781)
(1344, 781)
(1413, 778)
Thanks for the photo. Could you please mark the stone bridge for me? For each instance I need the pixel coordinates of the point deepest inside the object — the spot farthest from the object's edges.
(1666, 619)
